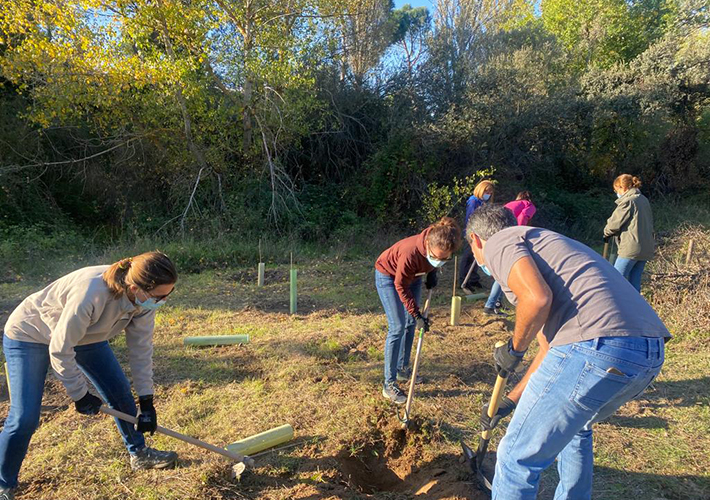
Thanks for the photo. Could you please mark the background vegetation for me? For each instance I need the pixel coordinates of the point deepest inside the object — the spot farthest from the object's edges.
(307, 120)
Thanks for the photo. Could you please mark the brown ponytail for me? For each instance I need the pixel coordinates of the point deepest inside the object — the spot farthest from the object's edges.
(627, 181)
(146, 271)
(445, 234)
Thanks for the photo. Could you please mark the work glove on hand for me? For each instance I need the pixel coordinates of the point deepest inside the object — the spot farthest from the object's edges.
(506, 358)
(147, 418)
(432, 278)
(607, 239)
(422, 322)
(88, 404)
(506, 407)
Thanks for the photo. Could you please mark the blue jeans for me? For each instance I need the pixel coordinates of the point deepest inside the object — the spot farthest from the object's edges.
(400, 324)
(494, 296)
(570, 391)
(631, 270)
(27, 365)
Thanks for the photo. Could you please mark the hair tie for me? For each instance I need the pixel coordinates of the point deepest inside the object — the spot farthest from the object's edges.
(125, 263)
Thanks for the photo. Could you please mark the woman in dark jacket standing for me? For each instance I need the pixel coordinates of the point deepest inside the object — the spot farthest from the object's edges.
(398, 278)
(632, 226)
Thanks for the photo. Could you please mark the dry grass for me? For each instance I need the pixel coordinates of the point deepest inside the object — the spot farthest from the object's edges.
(321, 372)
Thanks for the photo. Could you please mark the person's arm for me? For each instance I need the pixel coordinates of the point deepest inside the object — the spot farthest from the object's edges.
(70, 329)
(517, 391)
(526, 214)
(534, 301)
(139, 340)
(618, 220)
(401, 284)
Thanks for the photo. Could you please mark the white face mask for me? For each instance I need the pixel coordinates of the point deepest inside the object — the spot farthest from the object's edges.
(434, 262)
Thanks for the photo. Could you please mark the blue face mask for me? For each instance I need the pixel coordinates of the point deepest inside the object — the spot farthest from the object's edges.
(618, 195)
(150, 303)
(434, 262)
(486, 197)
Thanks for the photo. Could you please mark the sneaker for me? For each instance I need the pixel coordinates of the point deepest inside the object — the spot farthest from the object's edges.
(490, 311)
(7, 494)
(404, 375)
(392, 392)
(150, 458)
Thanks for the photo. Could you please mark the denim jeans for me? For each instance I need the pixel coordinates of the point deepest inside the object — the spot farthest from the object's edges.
(575, 386)
(400, 324)
(631, 270)
(27, 365)
(494, 296)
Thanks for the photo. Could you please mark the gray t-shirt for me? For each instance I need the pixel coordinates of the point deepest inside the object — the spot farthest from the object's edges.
(591, 299)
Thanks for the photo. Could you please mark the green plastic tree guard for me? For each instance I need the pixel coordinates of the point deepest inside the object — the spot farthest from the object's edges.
(260, 280)
(293, 291)
(216, 340)
(263, 441)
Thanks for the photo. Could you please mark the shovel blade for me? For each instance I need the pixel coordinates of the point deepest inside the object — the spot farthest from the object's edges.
(475, 462)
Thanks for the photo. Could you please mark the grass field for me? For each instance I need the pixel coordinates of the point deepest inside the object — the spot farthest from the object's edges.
(321, 372)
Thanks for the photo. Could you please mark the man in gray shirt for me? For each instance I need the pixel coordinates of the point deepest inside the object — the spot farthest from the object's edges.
(601, 345)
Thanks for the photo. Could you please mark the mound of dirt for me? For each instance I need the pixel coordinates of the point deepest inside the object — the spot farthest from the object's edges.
(392, 460)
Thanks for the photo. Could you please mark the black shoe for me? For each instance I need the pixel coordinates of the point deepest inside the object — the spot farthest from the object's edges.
(404, 375)
(392, 392)
(489, 311)
(150, 458)
(7, 494)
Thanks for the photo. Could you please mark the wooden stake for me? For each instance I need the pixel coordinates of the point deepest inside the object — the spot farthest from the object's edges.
(456, 274)
(689, 256)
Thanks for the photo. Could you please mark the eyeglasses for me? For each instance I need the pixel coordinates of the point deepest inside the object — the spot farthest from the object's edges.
(442, 260)
(158, 298)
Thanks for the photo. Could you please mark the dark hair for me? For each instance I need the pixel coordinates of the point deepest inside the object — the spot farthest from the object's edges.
(487, 220)
(524, 195)
(445, 234)
(146, 271)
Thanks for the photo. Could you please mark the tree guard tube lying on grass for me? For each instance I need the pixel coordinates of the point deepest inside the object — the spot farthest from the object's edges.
(263, 441)
(216, 340)
(476, 296)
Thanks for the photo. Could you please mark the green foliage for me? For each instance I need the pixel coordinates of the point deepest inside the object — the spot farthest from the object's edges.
(440, 200)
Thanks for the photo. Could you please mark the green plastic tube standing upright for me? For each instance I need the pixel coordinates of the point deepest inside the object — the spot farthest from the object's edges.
(293, 291)
(260, 279)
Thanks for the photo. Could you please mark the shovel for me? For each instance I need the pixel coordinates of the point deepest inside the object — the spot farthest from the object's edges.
(475, 460)
(415, 367)
(242, 460)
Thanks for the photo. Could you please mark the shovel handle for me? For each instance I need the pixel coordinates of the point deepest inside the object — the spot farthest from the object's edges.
(182, 437)
(605, 253)
(415, 367)
(496, 397)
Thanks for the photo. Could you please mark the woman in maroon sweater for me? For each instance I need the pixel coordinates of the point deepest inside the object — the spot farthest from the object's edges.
(398, 273)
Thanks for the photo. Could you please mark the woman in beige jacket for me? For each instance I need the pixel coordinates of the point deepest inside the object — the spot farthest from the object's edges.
(67, 326)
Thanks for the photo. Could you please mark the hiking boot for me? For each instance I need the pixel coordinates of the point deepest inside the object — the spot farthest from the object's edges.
(490, 311)
(150, 458)
(392, 392)
(7, 494)
(404, 375)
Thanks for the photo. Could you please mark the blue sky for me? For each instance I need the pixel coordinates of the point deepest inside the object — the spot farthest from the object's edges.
(416, 3)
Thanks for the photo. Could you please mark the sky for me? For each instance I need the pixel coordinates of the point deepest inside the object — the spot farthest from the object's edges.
(415, 3)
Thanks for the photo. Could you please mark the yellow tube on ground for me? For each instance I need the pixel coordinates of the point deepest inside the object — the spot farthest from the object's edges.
(263, 441)
(455, 310)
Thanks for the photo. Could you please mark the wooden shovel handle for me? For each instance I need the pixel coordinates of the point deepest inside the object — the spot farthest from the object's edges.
(188, 439)
(496, 397)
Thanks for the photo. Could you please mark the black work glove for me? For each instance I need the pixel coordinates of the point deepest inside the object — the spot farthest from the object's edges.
(88, 404)
(607, 239)
(505, 408)
(507, 359)
(422, 322)
(432, 278)
(147, 418)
